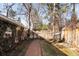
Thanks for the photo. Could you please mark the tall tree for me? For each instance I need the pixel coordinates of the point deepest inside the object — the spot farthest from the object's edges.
(11, 13)
(28, 8)
(74, 16)
(7, 7)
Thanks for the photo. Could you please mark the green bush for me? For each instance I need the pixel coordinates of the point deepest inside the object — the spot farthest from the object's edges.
(43, 27)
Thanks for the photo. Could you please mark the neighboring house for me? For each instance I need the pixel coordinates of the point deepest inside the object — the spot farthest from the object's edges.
(71, 34)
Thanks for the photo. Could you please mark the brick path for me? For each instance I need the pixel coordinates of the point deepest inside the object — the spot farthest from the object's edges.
(34, 49)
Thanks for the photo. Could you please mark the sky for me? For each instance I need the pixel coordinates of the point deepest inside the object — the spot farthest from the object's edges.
(41, 12)
(23, 18)
(77, 12)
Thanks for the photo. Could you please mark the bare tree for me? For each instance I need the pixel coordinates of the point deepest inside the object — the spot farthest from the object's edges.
(28, 8)
(11, 13)
(8, 7)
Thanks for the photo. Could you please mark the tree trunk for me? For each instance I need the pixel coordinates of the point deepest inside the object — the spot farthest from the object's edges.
(7, 13)
(29, 20)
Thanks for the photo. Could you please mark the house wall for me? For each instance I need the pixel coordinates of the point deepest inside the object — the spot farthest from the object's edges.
(71, 37)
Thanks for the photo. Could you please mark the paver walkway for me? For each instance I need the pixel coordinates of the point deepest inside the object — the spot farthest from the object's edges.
(34, 49)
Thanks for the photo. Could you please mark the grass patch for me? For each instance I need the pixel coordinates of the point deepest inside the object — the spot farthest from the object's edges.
(47, 49)
(50, 50)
